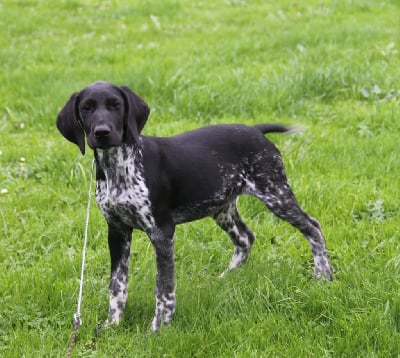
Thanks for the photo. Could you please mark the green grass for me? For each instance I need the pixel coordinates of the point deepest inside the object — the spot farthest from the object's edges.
(330, 66)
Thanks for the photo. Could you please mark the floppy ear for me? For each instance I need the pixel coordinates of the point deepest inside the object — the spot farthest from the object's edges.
(136, 114)
(69, 125)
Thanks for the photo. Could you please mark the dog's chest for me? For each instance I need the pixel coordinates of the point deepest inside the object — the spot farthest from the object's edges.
(122, 195)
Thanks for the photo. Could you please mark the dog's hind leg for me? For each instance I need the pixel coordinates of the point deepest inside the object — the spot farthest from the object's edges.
(275, 192)
(229, 220)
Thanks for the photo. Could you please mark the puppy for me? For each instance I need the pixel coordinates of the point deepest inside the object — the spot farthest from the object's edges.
(154, 183)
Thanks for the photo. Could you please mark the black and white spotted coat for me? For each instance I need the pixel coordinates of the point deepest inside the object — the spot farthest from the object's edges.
(154, 183)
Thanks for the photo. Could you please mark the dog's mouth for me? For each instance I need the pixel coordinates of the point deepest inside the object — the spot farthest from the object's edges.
(103, 142)
(105, 145)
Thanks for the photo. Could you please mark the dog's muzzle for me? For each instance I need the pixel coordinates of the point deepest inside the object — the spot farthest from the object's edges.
(102, 137)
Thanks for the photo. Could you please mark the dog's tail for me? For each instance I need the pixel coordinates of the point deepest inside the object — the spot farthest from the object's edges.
(276, 128)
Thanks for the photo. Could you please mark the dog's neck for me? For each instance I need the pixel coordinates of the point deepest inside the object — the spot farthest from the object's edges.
(117, 162)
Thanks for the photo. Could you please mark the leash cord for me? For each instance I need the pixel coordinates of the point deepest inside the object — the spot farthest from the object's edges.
(77, 314)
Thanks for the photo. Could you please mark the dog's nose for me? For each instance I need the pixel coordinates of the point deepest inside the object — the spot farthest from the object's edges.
(102, 131)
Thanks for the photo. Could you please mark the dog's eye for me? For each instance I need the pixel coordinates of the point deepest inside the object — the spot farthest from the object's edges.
(115, 105)
(87, 107)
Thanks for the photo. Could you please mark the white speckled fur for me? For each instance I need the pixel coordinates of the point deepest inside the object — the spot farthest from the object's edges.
(124, 192)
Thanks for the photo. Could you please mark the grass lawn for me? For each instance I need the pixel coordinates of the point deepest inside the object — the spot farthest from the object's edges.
(331, 67)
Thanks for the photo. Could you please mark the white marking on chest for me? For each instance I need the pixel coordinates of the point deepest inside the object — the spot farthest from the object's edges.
(123, 194)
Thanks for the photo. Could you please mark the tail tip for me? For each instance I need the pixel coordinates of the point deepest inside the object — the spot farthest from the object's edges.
(295, 128)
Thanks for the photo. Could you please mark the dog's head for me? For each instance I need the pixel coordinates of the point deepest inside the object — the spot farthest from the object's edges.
(108, 115)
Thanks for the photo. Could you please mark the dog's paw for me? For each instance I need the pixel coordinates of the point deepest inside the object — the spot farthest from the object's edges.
(156, 324)
(159, 320)
(225, 273)
(325, 275)
(165, 308)
(100, 328)
(104, 326)
(322, 270)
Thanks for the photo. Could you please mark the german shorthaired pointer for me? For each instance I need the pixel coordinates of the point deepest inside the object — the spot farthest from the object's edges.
(154, 183)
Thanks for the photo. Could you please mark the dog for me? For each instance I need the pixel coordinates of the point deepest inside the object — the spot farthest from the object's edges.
(155, 183)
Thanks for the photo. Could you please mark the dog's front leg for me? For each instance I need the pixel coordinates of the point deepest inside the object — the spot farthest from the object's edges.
(119, 242)
(163, 241)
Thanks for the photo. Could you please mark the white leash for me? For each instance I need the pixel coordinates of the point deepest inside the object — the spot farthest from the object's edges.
(77, 314)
